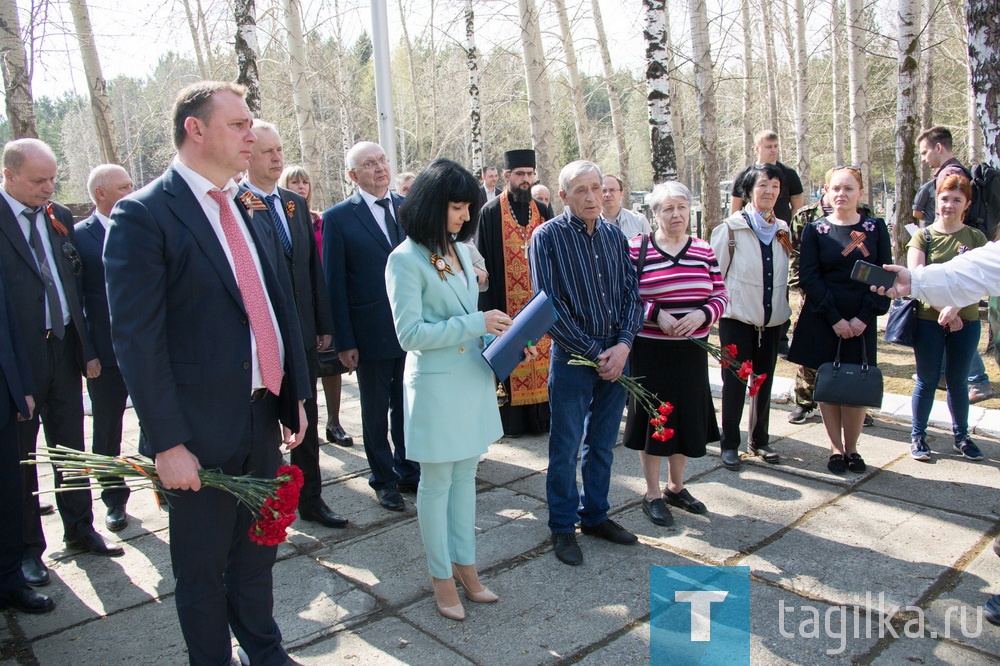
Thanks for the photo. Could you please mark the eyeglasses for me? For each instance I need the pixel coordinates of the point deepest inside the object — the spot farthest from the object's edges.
(75, 263)
(371, 164)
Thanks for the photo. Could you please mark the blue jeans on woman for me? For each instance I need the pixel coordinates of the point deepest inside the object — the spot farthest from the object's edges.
(586, 410)
(930, 345)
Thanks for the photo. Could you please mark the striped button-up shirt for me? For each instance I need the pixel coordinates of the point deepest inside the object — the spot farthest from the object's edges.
(591, 281)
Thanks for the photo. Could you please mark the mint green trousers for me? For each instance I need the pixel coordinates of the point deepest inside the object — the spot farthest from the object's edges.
(446, 509)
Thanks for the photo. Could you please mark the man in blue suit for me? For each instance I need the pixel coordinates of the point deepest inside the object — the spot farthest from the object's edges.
(208, 342)
(358, 235)
(107, 184)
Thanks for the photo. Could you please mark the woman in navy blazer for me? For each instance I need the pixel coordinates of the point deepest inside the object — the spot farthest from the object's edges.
(450, 407)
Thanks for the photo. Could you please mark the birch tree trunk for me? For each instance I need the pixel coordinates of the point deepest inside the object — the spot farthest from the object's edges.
(346, 136)
(767, 33)
(576, 87)
(434, 86)
(617, 122)
(193, 27)
(16, 78)
(100, 105)
(209, 56)
(927, 118)
(246, 51)
(472, 61)
(984, 71)
(539, 95)
(907, 119)
(705, 94)
(801, 98)
(305, 111)
(676, 118)
(857, 83)
(747, 81)
(661, 138)
(411, 64)
(838, 88)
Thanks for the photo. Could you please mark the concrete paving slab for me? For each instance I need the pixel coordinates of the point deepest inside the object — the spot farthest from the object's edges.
(549, 611)
(88, 587)
(955, 613)
(506, 523)
(631, 647)
(867, 543)
(511, 459)
(989, 425)
(387, 641)
(311, 601)
(783, 633)
(741, 514)
(945, 481)
(930, 652)
(354, 499)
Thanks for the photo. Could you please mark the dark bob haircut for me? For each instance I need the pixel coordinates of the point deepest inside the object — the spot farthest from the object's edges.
(767, 170)
(424, 213)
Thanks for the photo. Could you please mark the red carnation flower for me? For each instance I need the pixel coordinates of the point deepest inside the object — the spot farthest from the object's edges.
(730, 351)
(745, 370)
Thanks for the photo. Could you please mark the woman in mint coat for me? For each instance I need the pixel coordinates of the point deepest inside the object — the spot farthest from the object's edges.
(450, 406)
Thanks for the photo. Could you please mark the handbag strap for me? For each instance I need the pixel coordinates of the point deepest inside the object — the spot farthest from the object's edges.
(864, 354)
(640, 264)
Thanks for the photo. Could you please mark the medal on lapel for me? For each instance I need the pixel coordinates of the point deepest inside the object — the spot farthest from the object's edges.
(250, 202)
(441, 266)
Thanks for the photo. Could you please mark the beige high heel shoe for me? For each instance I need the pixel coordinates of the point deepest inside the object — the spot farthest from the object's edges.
(444, 588)
(483, 595)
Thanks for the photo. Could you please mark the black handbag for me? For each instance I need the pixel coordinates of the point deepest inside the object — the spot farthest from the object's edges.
(853, 384)
(901, 328)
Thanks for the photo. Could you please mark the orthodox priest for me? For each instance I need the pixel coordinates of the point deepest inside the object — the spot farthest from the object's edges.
(506, 223)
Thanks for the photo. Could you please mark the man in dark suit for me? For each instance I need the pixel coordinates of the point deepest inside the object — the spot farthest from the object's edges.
(40, 262)
(16, 387)
(107, 184)
(358, 235)
(287, 220)
(489, 189)
(210, 349)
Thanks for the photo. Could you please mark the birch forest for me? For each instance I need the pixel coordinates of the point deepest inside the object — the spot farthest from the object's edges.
(841, 81)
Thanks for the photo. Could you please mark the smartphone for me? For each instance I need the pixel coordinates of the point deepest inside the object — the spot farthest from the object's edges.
(872, 275)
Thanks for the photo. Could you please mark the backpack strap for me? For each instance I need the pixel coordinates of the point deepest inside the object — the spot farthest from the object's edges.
(732, 246)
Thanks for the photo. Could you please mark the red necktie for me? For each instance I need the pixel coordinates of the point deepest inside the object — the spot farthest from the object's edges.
(254, 299)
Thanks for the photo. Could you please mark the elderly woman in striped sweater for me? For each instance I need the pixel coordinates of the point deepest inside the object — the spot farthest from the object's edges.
(683, 294)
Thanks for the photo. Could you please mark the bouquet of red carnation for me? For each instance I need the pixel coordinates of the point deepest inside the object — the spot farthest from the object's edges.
(273, 500)
(726, 356)
(645, 398)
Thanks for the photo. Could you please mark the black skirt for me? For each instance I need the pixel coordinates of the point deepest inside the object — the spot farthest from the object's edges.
(677, 372)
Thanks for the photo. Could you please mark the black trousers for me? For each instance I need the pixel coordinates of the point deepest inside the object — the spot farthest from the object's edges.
(306, 455)
(11, 499)
(108, 396)
(223, 579)
(759, 346)
(59, 404)
(380, 384)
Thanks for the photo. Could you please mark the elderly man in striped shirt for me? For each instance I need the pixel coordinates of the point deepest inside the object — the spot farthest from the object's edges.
(582, 263)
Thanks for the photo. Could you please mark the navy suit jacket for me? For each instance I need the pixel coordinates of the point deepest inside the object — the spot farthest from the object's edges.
(90, 243)
(305, 270)
(355, 252)
(180, 330)
(27, 292)
(13, 357)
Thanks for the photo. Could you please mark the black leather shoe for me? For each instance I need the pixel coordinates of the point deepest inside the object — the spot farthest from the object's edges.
(684, 500)
(336, 435)
(26, 600)
(611, 531)
(95, 543)
(567, 549)
(657, 512)
(408, 488)
(117, 519)
(35, 573)
(766, 453)
(46, 509)
(324, 516)
(731, 459)
(390, 499)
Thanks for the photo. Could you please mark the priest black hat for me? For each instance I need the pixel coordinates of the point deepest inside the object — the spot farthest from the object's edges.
(514, 159)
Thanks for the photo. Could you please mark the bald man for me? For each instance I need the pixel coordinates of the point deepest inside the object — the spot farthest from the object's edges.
(40, 262)
(107, 184)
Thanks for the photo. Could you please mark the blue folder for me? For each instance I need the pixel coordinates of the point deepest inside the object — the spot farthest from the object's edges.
(531, 323)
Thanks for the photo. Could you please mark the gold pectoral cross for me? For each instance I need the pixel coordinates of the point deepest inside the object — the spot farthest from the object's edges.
(524, 246)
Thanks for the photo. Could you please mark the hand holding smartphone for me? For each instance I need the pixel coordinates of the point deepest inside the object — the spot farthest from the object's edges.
(873, 275)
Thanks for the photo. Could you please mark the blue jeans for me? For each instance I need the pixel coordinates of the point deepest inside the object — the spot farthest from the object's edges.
(977, 371)
(931, 344)
(587, 409)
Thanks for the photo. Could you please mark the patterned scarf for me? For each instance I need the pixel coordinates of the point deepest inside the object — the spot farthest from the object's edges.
(763, 224)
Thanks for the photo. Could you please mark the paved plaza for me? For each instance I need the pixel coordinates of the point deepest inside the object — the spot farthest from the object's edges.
(919, 534)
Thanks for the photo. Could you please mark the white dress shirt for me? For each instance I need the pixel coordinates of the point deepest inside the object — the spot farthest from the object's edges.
(378, 212)
(277, 206)
(200, 187)
(41, 223)
(105, 221)
(630, 223)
